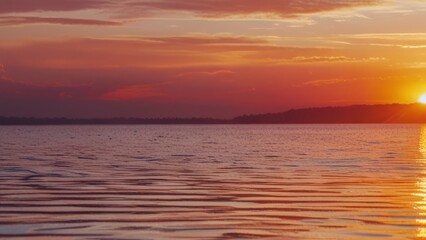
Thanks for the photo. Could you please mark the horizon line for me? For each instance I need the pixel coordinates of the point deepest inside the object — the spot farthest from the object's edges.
(214, 118)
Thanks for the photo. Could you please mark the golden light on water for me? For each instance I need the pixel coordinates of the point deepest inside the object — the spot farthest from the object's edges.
(421, 205)
(422, 142)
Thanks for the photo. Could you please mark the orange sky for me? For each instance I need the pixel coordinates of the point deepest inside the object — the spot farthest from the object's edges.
(207, 58)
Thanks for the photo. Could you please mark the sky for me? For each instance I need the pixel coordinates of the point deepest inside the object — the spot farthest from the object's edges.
(207, 58)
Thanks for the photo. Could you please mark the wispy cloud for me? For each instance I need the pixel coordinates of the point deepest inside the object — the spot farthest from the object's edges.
(399, 45)
(164, 52)
(19, 20)
(325, 82)
(203, 74)
(323, 59)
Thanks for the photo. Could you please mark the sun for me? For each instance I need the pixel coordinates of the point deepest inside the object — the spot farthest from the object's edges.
(422, 99)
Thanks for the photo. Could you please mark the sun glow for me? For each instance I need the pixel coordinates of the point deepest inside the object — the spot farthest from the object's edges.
(422, 99)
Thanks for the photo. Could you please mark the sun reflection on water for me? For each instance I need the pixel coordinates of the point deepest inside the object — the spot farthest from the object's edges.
(422, 144)
(421, 185)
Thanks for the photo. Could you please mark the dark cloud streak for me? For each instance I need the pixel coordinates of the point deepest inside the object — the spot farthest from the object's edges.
(209, 8)
(20, 6)
(221, 8)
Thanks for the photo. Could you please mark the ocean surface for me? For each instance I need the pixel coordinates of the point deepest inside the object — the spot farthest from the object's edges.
(213, 182)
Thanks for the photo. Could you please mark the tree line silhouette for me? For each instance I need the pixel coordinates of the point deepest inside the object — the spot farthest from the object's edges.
(386, 113)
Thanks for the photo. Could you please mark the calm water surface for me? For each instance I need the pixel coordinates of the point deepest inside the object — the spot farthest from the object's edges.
(213, 182)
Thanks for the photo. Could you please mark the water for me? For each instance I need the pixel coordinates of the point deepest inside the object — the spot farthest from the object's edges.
(213, 182)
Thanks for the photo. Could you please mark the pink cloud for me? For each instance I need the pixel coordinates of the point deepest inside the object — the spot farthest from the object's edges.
(3, 75)
(2, 71)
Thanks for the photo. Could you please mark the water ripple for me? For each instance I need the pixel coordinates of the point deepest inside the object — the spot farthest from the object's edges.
(212, 182)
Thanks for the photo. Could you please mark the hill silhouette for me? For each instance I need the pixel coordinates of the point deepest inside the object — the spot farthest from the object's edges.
(386, 113)
(390, 113)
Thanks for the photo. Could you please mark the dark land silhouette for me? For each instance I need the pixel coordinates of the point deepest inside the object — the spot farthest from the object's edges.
(389, 113)
(107, 121)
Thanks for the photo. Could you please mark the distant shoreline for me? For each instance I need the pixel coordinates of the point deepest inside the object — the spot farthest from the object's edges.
(356, 114)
